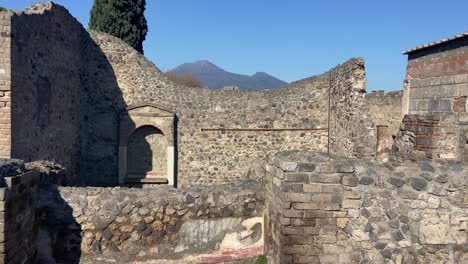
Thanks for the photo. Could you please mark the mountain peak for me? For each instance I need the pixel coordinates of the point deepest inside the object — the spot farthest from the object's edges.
(214, 77)
(261, 74)
(203, 62)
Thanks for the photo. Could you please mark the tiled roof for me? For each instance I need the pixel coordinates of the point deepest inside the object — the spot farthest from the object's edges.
(436, 43)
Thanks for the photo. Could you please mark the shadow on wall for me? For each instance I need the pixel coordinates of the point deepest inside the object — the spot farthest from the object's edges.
(140, 155)
(103, 101)
(65, 97)
(58, 233)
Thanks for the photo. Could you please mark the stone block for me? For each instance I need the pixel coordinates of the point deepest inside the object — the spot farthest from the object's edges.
(301, 240)
(435, 81)
(296, 177)
(447, 80)
(312, 188)
(460, 78)
(414, 83)
(285, 221)
(315, 214)
(336, 166)
(325, 239)
(298, 197)
(445, 105)
(286, 165)
(348, 203)
(463, 89)
(297, 249)
(329, 230)
(305, 206)
(452, 90)
(306, 167)
(311, 230)
(413, 105)
(333, 249)
(424, 82)
(352, 194)
(416, 93)
(325, 178)
(303, 222)
(293, 213)
(423, 105)
(433, 105)
(351, 181)
(329, 259)
(434, 91)
(292, 230)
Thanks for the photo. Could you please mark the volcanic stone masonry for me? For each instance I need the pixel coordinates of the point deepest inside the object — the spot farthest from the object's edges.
(64, 92)
(309, 208)
(325, 209)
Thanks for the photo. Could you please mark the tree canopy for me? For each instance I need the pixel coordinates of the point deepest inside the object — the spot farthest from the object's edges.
(121, 18)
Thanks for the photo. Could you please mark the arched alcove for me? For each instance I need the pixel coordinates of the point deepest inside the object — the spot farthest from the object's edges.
(146, 154)
(146, 146)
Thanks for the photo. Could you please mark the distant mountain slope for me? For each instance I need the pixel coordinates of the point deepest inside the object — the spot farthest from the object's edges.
(214, 77)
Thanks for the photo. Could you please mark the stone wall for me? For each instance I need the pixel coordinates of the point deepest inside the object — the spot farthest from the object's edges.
(18, 187)
(58, 76)
(352, 132)
(70, 86)
(121, 225)
(445, 94)
(385, 112)
(220, 132)
(45, 86)
(436, 90)
(431, 137)
(5, 82)
(336, 210)
(438, 78)
(17, 213)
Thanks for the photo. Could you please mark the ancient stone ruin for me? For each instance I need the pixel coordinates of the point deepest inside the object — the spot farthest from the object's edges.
(107, 161)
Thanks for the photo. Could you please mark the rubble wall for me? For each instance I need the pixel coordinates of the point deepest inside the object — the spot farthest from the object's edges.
(337, 210)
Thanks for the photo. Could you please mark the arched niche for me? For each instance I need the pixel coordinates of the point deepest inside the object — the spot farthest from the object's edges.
(146, 146)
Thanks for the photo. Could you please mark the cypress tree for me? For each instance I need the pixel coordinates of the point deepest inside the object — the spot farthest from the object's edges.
(121, 18)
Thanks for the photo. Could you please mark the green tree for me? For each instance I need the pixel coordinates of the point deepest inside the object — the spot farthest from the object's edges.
(121, 18)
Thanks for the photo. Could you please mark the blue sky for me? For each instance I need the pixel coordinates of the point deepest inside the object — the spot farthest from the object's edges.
(291, 39)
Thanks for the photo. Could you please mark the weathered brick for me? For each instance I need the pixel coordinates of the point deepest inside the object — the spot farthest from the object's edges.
(328, 230)
(352, 194)
(445, 105)
(285, 221)
(292, 230)
(351, 181)
(301, 240)
(307, 259)
(306, 167)
(312, 188)
(446, 80)
(416, 93)
(305, 206)
(460, 78)
(298, 197)
(414, 83)
(325, 239)
(297, 249)
(296, 177)
(351, 203)
(315, 214)
(326, 178)
(303, 222)
(309, 230)
(293, 213)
